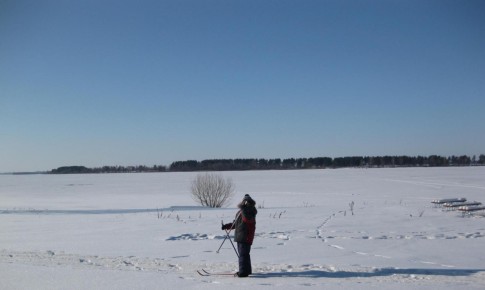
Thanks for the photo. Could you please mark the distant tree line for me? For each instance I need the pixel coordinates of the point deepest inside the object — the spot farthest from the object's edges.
(108, 169)
(325, 162)
(289, 163)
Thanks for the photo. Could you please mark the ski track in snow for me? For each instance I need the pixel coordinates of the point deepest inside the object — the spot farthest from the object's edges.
(436, 184)
(51, 258)
(320, 235)
(195, 237)
(418, 236)
(326, 239)
(264, 270)
(133, 263)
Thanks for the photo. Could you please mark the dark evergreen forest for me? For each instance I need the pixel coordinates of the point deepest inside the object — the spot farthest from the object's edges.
(286, 164)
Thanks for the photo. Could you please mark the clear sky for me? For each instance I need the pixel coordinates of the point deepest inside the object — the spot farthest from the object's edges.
(109, 82)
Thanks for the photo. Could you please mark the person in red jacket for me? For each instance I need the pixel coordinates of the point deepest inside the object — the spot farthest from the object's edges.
(245, 226)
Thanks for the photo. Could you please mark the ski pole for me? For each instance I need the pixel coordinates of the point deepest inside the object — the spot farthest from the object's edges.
(225, 238)
(227, 234)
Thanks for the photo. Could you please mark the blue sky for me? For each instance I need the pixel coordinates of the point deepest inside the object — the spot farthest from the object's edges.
(150, 82)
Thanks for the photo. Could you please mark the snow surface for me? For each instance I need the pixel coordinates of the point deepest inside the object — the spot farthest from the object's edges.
(144, 231)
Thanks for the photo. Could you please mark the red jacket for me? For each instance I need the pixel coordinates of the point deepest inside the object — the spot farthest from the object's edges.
(245, 225)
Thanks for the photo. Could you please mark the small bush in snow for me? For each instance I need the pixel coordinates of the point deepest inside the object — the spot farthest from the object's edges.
(421, 213)
(351, 205)
(212, 190)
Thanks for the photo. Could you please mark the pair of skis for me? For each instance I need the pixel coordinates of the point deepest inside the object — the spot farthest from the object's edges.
(205, 273)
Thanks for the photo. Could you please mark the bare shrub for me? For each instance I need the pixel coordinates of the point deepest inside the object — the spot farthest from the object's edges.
(421, 213)
(212, 190)
(351, 205)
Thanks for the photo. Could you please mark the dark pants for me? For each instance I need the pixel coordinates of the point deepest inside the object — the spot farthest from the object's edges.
(244, 259)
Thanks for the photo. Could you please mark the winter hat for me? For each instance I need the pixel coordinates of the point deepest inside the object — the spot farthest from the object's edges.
(249, 200)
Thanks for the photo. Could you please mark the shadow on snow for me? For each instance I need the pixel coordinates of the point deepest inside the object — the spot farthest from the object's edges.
(376, 273)
(31, 211)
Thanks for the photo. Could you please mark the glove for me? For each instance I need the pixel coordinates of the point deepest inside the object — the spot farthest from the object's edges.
(226, 226)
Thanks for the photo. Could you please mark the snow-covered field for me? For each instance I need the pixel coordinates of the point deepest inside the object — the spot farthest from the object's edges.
(143, 231)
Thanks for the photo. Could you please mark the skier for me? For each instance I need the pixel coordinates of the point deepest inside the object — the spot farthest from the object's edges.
(245, 226)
